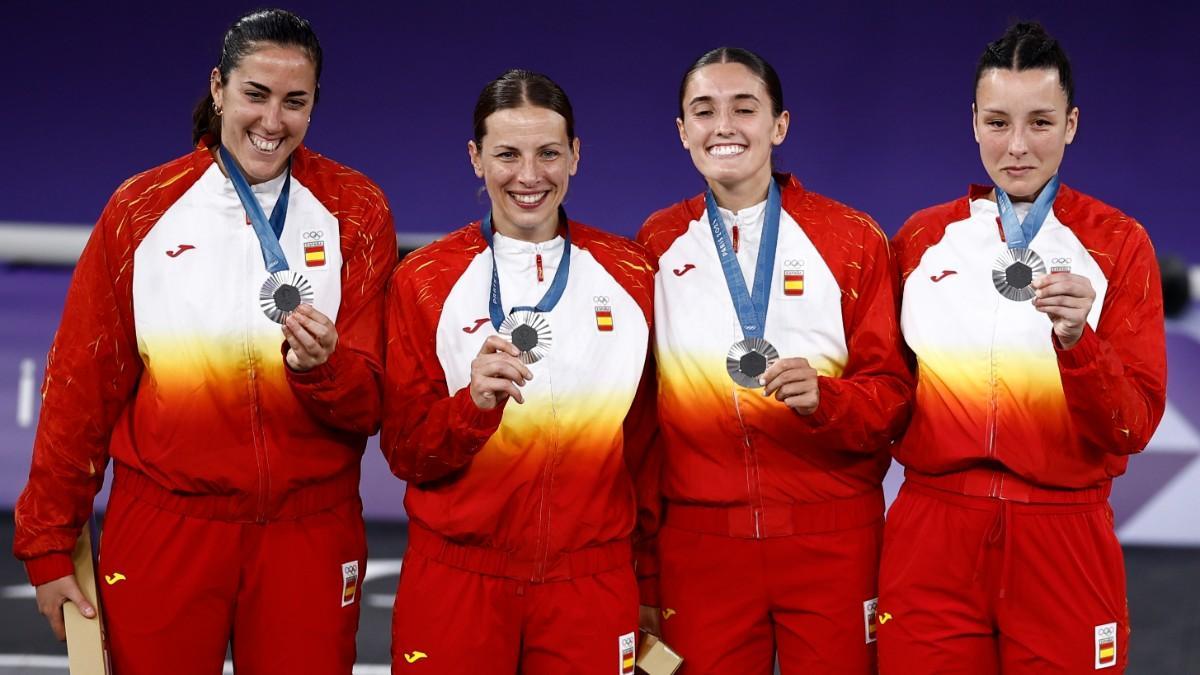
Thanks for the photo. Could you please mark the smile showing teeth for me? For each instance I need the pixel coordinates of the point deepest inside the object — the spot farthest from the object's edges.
(529, 199)
(263, 144)
(726, 150)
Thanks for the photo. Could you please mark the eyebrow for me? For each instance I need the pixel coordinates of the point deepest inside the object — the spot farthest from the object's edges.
(710, 99)
(266, 90)
(1041, 111)
(501, 146)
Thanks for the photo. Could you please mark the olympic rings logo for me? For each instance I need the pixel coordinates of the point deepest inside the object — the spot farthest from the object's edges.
(314, 235)
(1107, 631)
(600, 299)
(1060, 261)
(793, 263)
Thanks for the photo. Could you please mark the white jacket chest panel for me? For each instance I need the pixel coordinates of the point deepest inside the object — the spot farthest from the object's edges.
(599, 368)
(951, 307)
(198, 272)
(695, 316)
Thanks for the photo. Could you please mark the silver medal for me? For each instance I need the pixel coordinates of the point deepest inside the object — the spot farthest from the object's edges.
(530, 332)
(282, 293)
(1014, 271)
(748, 359)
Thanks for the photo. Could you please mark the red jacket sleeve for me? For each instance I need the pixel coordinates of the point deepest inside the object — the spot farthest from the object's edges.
(1114, 378)
(644, 457)
(92, 372)
(868, 406)
(427, 432)
(344, 391)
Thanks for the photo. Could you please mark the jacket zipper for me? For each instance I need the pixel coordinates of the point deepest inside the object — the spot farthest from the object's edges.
(753, 488)
(256, 425)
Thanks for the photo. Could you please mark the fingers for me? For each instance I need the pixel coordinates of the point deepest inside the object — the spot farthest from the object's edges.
(498, 345)
(51, 597)
(785, 371)
(497, 374)
(503, 366)
(311, 336)
(1064, 284)
(488, 392)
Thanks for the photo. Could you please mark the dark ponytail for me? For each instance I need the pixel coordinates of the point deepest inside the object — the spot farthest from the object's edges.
(244, 37)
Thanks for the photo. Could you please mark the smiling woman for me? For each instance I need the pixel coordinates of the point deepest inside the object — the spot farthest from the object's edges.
(221, 343)
(781, 385)
(521, 434)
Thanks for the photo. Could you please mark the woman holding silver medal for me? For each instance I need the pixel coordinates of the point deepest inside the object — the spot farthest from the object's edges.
(1035, 315)
(518, 409)
(781, 386)
(234, 513)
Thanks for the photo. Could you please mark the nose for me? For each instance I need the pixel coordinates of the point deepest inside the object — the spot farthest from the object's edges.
(272, 118)
(527, 171)
(724, 123)
(1016, 142)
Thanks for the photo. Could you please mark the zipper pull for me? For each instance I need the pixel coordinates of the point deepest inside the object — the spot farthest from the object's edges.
(736, 238)
(541, 276)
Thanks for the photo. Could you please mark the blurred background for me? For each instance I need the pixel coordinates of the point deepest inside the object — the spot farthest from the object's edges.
(880, 97)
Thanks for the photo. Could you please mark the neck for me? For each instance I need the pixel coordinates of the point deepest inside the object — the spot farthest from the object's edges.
(536, 235)
(1016, 199)
(738, 196)
(250, 180)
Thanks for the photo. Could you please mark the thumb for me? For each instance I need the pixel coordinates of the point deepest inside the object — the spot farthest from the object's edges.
(76, 596)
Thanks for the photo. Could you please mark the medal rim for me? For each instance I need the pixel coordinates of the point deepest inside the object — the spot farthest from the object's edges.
(742, 347)
(266, 293)
(545, 336)
(1026, 256)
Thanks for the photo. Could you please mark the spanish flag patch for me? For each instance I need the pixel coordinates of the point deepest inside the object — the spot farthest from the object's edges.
(314, 254)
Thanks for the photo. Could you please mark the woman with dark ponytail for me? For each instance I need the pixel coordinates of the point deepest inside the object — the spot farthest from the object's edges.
(1035, 316)
(781, 386)
(222, 343)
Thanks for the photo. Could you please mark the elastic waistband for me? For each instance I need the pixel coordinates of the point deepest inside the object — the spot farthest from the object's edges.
(778, 520)
(239, 508)
(496, 563)
(987, 482)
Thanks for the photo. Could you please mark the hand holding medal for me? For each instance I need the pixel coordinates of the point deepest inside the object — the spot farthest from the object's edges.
(497, 374)
(1067, 299)
(794, 382)
(311, 338)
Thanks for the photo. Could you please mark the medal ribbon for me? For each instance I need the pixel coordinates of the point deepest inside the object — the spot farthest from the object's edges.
(751, 306)
(557, 285)
(268, 232)
(1019, 234)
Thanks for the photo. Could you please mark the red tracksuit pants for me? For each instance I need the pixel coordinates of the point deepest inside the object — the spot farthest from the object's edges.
(176, 589)
(732, 601)
(984, 586)
(472, 611)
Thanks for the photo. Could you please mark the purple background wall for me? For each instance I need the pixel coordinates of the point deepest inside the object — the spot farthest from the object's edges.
(880, 97)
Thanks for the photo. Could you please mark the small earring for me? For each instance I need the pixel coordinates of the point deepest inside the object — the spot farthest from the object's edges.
(310, 119)
(217, 109)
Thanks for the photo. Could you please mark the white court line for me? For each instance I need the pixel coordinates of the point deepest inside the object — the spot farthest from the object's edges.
(60, 662)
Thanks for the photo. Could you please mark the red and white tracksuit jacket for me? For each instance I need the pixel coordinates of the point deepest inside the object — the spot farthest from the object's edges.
(534, 488)
(1000, 410)
(165, 362)
(832, 302)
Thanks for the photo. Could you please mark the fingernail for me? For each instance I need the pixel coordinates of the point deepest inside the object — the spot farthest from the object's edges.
(89, 612)
(762, 381)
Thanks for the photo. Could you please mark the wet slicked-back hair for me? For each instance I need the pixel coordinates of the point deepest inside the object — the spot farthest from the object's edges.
(1027, 46)
(246, 36)
(517, 88)
(755, 63)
